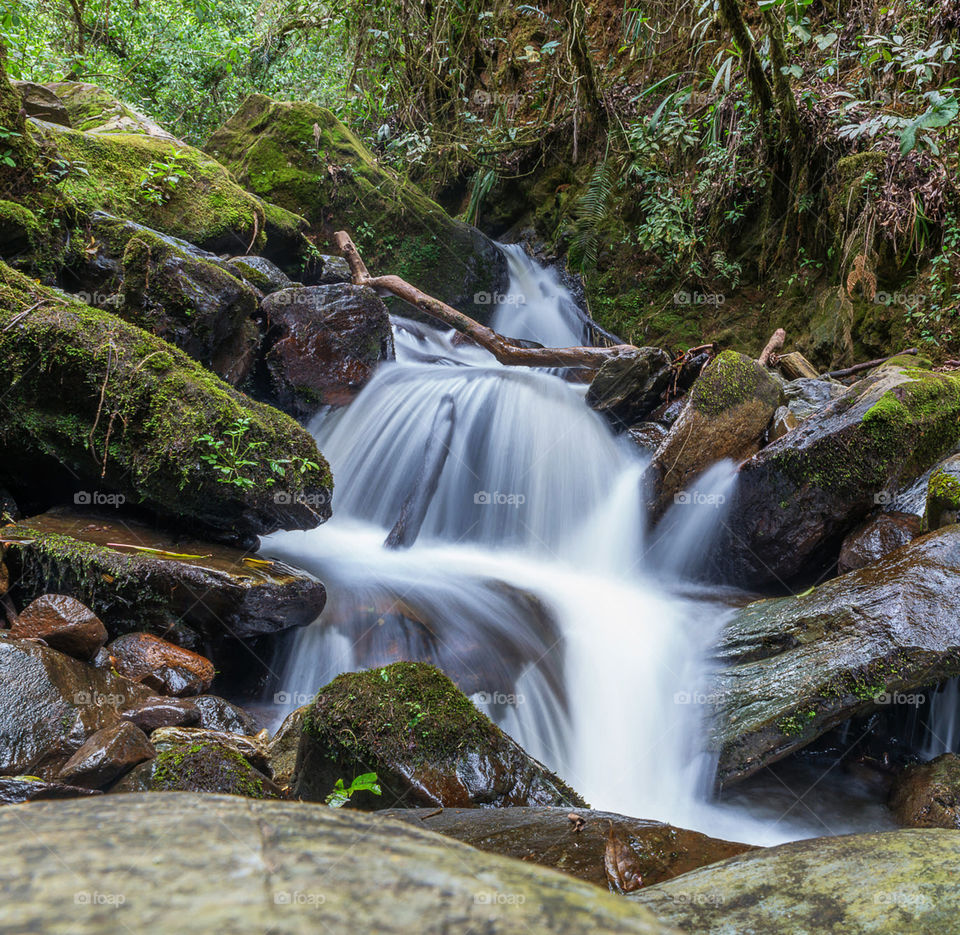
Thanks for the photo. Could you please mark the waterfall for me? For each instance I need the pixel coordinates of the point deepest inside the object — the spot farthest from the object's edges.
(943, 721)
(532, 582)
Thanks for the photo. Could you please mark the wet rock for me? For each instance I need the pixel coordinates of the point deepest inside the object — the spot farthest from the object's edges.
(927, 795)
(270, 147)
(943, 495)
(151, 414)
(17, 789)
(574, 841)
(424, 739)
(260, 272)
(108, 754)
(63, 623)
(156, 579)
(783, 421)
(322, 270)
(807, 397)
(329, 340)
(198, 766)
(726, 416)
(253, 750)
(647, 436)
(627, 388)
(283, 748)
(187, 300)
(152, 713)
(220, 714)
(876, 539)
(40, 102)
(162, 666)
(50, 704)
(254, 867)
(794, 667)
(882, 884)
(796, 499)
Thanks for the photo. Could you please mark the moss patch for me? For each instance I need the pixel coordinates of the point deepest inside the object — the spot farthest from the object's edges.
(202, 767)
(729, 380)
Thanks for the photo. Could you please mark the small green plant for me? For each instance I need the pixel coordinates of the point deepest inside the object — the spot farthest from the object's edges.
(341, 795)
(161, 178)
(6, 152)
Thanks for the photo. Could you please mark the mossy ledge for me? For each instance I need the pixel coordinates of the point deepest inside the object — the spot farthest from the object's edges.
(122, 410)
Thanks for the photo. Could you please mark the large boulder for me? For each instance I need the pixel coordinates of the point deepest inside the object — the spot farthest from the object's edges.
(328, 341)
(425, 740)
(51, 704)
(94, 109)
(927, 795)
(729, 408)
(260, 272)
(136, 578)
(301, 157)
(861, 884)
(627, 388)
(877, 538)
(63, 623)
(796, 499)
(577, 841)
(94, 404)
(249, 867)
(794, 667)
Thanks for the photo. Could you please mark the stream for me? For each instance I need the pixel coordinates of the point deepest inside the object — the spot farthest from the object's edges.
(533, 582)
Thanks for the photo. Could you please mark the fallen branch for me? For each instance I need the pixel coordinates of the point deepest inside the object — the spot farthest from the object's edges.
(773, 345)
(857, 368)
(502, 349)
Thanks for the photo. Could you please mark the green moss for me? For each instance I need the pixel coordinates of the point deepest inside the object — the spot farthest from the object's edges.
(397, 711)
(203, 767)
(109, 400)
(945, 488)
(16, 218)
(729, 380)
(797, 723)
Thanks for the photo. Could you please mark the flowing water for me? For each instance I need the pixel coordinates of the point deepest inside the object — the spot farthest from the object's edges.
(532, 582)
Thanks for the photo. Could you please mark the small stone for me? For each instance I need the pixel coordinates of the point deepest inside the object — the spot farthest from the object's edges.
(63, 623)
(157, 712)
(168, 669)
(109, 753)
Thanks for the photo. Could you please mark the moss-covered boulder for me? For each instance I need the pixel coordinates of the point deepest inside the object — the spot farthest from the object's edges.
(298, 155)
(860, 884)
(19, 229)
(93, 403)
(943, 495)
(94, 109)
(199, 766)
(425, 740)
(137, 578)
(729, 408)
(927, 795)
(124, 174)
(326, 343)
(799, 496)
(791, 668)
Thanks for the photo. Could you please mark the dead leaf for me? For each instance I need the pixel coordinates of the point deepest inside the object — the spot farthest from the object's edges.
(579, 822)
(621, 864)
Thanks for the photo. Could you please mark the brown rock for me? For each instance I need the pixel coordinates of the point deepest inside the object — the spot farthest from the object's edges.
(160, 665)
(16, 789)
(156, 712)
(251, 749)
(553, 838)
(876, 539)
(109, 753)
(330, 340)
(40, 102)
(927, 795)
(63, 623)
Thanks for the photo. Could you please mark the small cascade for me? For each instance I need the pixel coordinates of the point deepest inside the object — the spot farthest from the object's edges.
(943, 721)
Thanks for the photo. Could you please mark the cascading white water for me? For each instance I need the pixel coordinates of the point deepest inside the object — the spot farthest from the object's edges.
(531, 582)
(943, 721)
